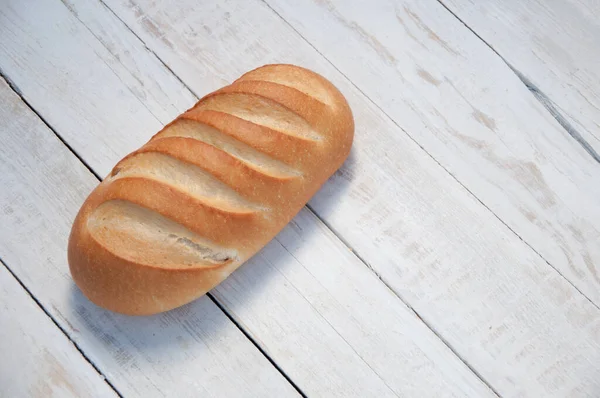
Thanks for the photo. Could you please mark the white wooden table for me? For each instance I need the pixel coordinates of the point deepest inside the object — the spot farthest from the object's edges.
(455, 254)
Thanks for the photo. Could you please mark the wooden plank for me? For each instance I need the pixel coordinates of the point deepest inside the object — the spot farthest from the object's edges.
(38, 359)
(309, 302)
(194, 351)
(477, 284)
(554, 44)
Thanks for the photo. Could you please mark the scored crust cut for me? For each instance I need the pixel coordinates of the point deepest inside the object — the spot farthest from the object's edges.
(176, 217)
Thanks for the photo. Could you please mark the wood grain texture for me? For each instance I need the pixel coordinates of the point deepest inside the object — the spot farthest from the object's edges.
(332, 326)
(498, 303)
(38, 359)
(195, 351)
(554, 44)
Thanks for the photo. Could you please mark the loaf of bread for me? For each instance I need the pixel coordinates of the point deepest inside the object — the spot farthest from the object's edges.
(176, 217)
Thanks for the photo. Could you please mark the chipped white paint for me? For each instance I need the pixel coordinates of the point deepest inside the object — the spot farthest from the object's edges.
(194, 351)
(554, 44)
(38, 360)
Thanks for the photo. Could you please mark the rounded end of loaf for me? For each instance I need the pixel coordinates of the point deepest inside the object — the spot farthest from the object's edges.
(179, 215)
(120, 273)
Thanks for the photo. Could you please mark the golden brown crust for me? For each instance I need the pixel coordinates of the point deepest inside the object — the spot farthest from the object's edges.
(225, 176)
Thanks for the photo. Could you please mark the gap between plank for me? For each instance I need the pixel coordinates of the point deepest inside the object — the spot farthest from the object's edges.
(210, 295)
(17, 91)
(2, 262)
(260, 349)
(546, 102)
(434, 159)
